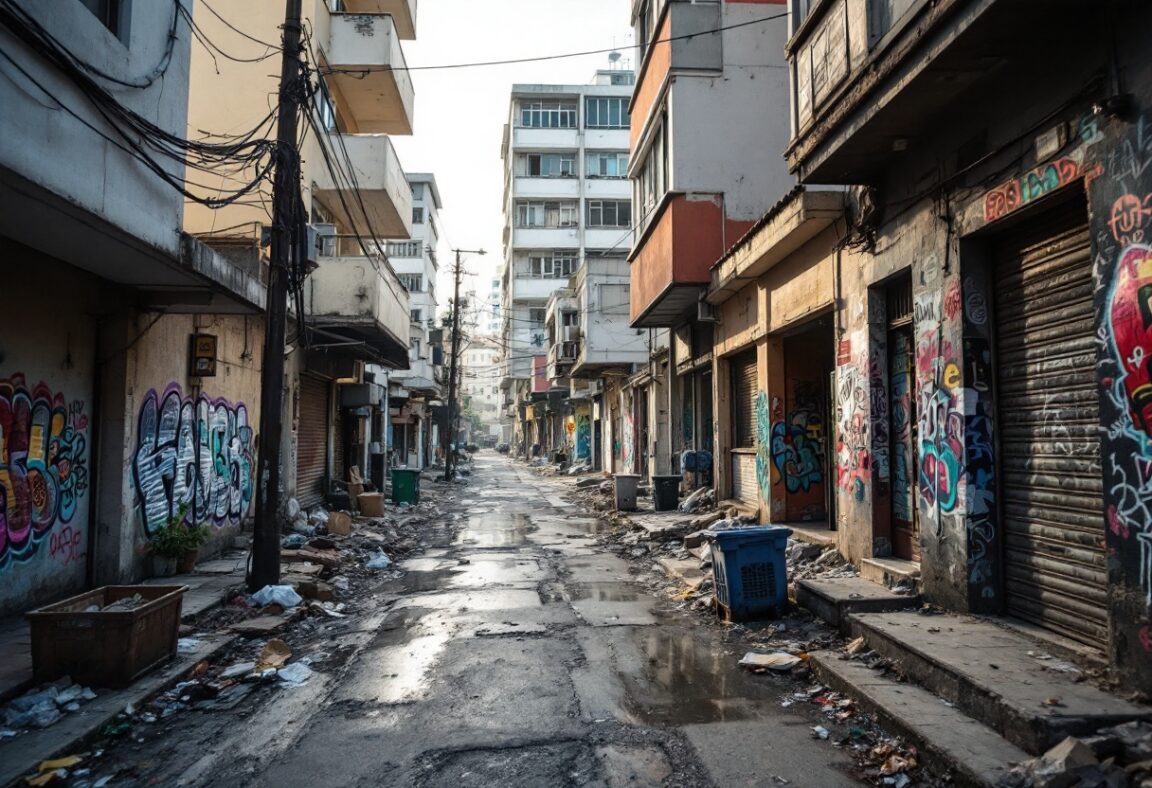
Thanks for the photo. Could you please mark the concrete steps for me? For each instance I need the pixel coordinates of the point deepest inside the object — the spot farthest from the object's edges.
(891, 572)
(947, 739)
(834, 599)
(994, 675)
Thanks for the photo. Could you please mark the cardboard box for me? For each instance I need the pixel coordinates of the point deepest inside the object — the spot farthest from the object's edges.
(339, 524)
(371, 504)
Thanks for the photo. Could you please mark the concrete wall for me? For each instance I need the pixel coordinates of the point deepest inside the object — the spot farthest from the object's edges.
(48, 425)
(54, 146)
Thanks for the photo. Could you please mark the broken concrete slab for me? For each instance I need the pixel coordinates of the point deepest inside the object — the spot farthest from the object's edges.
(987, 671)
(687, 571)
(834, 599)
(259, 626)
(891, 571)
(947, 738)
(327, 558)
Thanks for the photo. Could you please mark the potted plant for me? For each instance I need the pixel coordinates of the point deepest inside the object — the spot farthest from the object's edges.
(179, 541)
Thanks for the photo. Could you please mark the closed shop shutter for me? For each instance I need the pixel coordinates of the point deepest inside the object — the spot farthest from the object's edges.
(1049, 420)
(339, 465)
(744, 485)
(312, 447)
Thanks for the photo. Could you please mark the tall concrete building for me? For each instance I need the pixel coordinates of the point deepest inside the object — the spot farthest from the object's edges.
(566, 198)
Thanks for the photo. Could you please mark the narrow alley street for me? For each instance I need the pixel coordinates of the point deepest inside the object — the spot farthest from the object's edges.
(514, 652)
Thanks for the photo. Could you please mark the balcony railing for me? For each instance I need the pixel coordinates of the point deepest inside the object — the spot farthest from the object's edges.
(365, 68)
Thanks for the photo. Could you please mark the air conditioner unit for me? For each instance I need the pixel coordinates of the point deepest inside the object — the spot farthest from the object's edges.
(321, 242)
(571, 333)
(569, 350)
(706, 313)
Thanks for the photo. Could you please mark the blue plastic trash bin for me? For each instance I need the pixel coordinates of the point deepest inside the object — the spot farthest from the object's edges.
(751, 571)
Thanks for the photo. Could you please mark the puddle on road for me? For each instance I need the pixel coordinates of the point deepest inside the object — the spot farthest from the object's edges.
(403, 670)
(603, 592)
(433, 580)
(689, 679)
(496, 530)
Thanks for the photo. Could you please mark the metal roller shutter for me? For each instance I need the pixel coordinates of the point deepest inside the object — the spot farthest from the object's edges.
(312, 447)
(744, 485)
(1055, 574)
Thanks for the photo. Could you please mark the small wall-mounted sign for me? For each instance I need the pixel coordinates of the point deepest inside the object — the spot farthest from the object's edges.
(202, 358)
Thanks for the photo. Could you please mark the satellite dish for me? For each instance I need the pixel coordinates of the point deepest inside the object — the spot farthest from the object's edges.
(614, 57)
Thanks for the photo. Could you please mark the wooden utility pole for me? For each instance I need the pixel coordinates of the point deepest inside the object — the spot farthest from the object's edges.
(285, 199)
(450, 435)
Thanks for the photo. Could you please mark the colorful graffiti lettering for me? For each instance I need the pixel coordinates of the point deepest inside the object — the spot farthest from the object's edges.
(980, 478)
(1030, 187)
(798, 444)
(583, 436)
(196, 452)
(903, 486)
(43, 465)
(764, 444)
(1129, 320)
(853, 458)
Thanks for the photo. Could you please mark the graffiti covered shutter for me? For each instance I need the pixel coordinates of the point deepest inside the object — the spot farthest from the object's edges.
(312, 451)
(744, 484)
(1055, 573)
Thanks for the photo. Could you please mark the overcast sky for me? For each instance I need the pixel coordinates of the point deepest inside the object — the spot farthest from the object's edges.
(460, 113)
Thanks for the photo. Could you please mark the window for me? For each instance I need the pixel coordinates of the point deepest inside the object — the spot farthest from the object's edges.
(417, 191)
(606, 165)
(546, 214)
(537, 315)
(417, 216)
(413, 283)
(110, 13)
(404, 249)
(548, 114)
(326, 108)
(606, 113)
(552, 265)
(414, 350)
(416, 315)
(652, 180)
(609, 213)
(570, 318)
(623, 78)
(547, 165)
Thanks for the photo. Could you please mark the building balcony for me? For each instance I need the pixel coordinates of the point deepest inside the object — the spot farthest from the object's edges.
(383, 194)
(544, 139)
(671, 262)
(699, 53)
(793, 223)
(365, 69)
(561, 357)
(871, 77)
(525, 289)
(546, 237)
(403, 13)
(419, 378)
(524, 186)
(356, 304)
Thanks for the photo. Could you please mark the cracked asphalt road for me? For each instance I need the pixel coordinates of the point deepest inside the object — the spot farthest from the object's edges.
(517, 653)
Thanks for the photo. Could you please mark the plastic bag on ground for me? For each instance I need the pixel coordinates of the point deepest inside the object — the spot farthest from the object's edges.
(379, 561)
(294, 674)
(285, 596)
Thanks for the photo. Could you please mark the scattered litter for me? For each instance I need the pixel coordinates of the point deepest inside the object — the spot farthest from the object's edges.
(285, 596)
(295, 674)
(379, 561)
(856, 646)
(238, 670)
(125, 604)
(294, 541)
(188, 645)
(820, 732)
(777, 661)
(275, 654)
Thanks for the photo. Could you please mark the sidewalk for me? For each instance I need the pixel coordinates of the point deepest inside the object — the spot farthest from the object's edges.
(208, 587)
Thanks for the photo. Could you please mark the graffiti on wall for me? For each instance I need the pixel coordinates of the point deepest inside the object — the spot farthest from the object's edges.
(764, 448)
(194, 451)
(43, 466)
(583, 436)
(628, 441)
(798, 441)
(901, 459)
(980, 478)
(1032, 185)
(853, 455)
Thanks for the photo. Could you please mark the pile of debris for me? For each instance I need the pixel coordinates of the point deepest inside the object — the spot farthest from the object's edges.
(1117, 756)
(44, 706)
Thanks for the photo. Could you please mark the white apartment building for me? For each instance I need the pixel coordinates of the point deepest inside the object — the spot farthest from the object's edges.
(480, 381)
(566, 199)
(415, 263)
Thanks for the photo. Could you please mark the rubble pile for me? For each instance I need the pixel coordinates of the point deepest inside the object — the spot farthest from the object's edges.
(1116, 756)
(43, 707)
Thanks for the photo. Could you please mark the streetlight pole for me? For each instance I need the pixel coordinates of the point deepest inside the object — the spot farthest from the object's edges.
(453, 408)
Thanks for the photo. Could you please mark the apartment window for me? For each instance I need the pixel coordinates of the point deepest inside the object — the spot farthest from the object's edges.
(547, 165)
(606, 165)
(609, 213)
(417, 216)
(570, 318)
(622, 78)
(652, 180)
(606, 113)
(111, 14)
(413, 283)
(552, 265)
(546, 214)
(548, 114)
(326, 108)
(417, 191)
(404, 249)
(537, 315)
(414, 350)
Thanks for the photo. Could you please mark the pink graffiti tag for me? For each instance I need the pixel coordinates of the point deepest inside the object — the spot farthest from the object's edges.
(65, 545)
(1029, 187)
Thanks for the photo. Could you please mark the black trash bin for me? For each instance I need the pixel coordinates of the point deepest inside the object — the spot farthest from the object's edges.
(666, 493)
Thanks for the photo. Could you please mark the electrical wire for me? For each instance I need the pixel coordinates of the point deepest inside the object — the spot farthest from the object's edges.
(541, 58)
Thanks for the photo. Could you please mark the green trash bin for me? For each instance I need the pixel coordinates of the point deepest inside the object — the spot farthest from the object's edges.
(405, 486)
